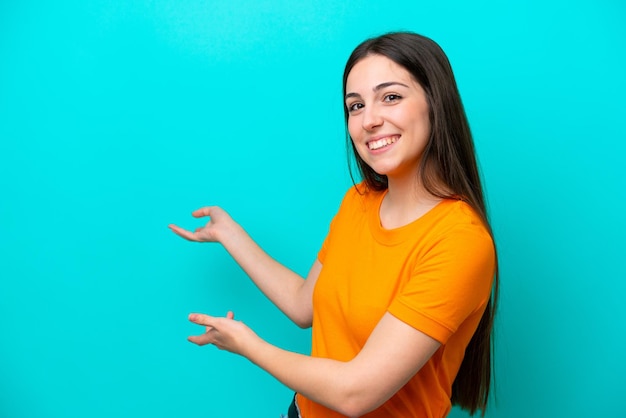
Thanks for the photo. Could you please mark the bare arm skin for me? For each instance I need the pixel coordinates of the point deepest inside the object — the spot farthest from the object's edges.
(393, 354)
(290, 292)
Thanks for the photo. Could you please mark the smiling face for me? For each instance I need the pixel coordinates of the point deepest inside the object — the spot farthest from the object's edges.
(388, 116)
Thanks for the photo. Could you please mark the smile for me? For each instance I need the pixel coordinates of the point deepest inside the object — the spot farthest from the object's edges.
(383, 142)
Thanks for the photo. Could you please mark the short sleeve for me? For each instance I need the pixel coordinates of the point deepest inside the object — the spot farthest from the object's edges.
(321, 254)
(450, 282)
(348, 204)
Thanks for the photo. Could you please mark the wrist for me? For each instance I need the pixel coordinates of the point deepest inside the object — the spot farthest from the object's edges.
(252, 348)
(229, 233)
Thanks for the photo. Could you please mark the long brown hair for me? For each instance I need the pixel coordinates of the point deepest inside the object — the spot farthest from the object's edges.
(448, 169)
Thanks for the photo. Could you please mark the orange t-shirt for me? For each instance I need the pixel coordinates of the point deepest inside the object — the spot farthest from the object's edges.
(434, 274)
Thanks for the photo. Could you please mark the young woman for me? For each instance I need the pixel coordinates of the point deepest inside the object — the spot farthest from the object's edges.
(402, 294)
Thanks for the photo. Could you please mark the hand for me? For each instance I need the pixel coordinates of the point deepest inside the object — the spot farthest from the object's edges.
(209, 232)
(225, 333)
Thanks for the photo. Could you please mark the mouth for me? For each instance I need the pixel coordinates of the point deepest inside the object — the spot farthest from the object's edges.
(382, 142)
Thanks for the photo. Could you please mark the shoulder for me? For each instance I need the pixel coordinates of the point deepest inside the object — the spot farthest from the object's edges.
(360, 195)
(459, 226)
(459, 214)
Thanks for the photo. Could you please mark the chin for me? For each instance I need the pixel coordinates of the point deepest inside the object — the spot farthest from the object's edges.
(382, 171)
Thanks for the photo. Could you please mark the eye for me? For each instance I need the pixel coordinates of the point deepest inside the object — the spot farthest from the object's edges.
(392, 98)
(354, 107)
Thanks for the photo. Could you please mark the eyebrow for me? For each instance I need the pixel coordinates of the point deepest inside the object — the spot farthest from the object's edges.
(377, 88)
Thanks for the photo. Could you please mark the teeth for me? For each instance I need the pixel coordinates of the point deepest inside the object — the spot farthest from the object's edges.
(383, 142)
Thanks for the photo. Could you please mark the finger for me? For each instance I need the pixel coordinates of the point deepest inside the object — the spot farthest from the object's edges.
(202, 319)
(203, 339)
(188, 235)
(230, 315)
(199, 213)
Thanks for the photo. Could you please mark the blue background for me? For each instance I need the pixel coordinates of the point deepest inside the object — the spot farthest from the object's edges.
(117, 118)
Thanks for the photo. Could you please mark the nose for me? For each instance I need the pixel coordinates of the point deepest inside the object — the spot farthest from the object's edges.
(371, 118)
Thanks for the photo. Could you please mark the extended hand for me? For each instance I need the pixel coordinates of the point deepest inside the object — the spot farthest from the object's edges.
(225, 333)
(209, 232)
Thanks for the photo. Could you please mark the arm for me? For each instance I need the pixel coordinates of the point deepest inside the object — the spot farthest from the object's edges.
(392, 355)
(291, 293)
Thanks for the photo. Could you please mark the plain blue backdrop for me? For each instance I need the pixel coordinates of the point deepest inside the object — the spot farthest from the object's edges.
(117, 118)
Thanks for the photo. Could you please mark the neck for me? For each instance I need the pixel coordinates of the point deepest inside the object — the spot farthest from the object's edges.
(406, 201)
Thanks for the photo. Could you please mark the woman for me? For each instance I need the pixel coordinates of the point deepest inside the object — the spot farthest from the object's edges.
(402, 294)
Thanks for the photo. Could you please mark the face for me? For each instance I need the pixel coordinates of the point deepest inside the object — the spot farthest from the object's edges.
(388, 116)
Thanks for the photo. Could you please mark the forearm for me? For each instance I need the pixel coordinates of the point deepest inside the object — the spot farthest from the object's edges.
(328, 382)
(393, 354)
(280, 284)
